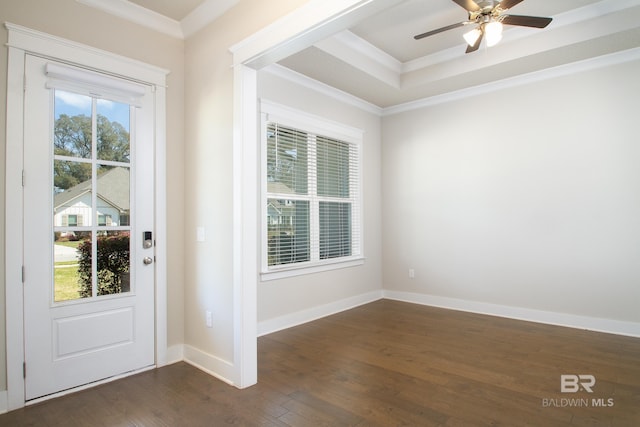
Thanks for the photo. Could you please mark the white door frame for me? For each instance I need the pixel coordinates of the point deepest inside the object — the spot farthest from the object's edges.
(23, 41)
(310, 23)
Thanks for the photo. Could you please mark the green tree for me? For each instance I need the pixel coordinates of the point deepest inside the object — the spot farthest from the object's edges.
(113, 140)
(73, 138)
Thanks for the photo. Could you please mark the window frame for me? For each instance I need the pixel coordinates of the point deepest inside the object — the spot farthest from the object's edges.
(271, 112)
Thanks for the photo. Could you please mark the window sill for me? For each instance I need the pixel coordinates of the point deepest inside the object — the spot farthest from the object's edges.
(299, 270)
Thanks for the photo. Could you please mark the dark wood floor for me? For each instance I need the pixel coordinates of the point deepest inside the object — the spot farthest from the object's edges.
(382, 364)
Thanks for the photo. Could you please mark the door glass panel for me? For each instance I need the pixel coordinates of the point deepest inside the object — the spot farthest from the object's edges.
(71, 258)
(72, 133)
(92, 197)
(113, 202)
(71, 192)
(113, 131)
(113, 262)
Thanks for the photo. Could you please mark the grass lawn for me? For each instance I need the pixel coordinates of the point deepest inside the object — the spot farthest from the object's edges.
(66, 281)
(65, 276)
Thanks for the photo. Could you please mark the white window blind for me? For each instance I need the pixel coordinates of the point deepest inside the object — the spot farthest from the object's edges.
(312, 195)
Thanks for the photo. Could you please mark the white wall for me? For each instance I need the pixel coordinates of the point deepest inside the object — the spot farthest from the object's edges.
(526, 197)
(71, 20)
(281, 302)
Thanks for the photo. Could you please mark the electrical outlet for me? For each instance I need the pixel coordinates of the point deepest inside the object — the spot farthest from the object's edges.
(209, 319)
(412, 273)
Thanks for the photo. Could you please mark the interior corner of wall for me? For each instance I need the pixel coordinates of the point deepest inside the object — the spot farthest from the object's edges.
(175, 354)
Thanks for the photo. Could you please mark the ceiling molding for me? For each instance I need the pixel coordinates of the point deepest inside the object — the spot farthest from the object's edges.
(139, 15)
(523, 79)
(571, 17)
(312, 22)
(207, 12)
(322, 88)
(204, 14)
(361, 54)
(366, 57)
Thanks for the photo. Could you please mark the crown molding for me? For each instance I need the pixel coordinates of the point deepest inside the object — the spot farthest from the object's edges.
(521, 80)
(366, 57)
(324, 89)
(524, 79)
(571, 17)
(207, 12)
(203, 15)
(310, 23)
(139, 15)
(361, 54)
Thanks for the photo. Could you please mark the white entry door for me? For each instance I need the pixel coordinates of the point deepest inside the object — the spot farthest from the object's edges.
(88, 227)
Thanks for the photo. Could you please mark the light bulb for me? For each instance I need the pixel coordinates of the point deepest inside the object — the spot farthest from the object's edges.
(472, 36)
(493, 32)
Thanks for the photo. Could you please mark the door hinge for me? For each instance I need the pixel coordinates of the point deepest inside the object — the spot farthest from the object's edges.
(24, 369)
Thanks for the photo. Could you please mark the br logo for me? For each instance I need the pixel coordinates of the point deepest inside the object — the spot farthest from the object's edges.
(575, 383)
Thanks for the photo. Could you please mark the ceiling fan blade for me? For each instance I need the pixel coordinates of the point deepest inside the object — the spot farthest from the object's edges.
(508, 4)
(476, 45)
(526, 21)
(440, 30)
(469, 5)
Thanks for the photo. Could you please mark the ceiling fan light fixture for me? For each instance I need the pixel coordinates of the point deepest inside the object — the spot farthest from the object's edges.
(472, 36)
(493, 33)
(488, 16)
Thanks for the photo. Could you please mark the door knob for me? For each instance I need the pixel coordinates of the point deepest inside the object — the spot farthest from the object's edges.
(147, 260)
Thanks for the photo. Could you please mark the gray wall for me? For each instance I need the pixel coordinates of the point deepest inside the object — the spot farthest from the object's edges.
(524, 197)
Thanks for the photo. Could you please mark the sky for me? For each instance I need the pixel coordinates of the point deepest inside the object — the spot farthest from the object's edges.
(73, 104)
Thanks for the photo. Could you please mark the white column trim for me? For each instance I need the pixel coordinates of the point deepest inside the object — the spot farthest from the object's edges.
(245, 225)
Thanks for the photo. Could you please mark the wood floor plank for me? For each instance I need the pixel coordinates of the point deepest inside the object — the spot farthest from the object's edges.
(386, 363)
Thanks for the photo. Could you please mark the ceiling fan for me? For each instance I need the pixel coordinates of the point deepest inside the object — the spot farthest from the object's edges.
(488, 16)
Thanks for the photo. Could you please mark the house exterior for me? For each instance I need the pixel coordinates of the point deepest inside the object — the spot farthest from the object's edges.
(72, 207)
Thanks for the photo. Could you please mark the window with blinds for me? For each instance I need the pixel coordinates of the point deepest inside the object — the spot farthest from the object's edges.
(312, 196)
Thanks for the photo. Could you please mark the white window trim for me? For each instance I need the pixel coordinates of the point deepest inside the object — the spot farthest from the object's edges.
(287, 116)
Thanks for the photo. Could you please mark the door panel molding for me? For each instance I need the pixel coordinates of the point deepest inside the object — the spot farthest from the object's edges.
(23, 41)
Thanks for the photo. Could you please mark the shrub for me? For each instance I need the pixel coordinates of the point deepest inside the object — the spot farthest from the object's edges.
(112, 263)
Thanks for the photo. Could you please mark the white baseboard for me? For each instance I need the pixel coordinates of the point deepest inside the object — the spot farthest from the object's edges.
(212, 365)
(294, 319)
(4, 401)
(610, 326)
